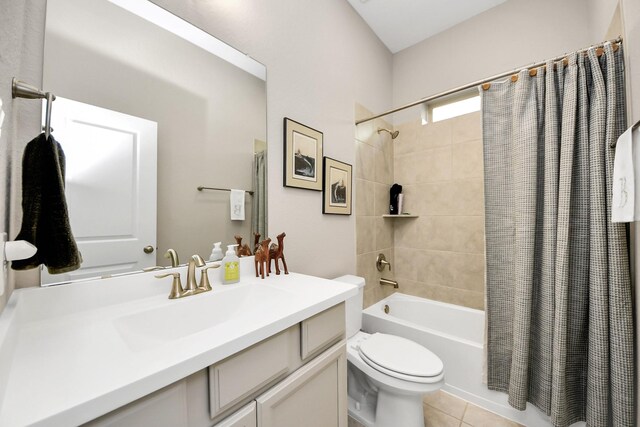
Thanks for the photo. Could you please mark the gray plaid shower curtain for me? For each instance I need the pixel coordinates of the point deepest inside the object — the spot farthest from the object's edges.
(559, 301)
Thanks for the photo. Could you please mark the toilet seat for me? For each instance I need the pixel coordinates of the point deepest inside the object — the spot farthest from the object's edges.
(400, 358)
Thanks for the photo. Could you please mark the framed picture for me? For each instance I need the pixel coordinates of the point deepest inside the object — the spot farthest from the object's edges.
(302, 156)
(336, 196)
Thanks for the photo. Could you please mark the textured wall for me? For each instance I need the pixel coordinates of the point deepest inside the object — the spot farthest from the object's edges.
(440, 255)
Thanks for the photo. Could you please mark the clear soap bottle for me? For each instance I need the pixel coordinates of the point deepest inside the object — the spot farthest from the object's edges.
(216, 252)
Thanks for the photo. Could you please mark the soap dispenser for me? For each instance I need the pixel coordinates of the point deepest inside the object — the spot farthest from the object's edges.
(216, 252)
(230, 266)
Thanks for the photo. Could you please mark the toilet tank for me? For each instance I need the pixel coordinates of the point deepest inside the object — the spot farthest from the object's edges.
(353, 306)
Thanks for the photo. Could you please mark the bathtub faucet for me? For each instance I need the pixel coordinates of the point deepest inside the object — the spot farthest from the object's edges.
(381, 262)
(393, 283)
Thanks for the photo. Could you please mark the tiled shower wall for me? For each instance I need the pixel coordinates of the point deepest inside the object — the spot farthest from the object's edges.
(440, 255)
(373, 177)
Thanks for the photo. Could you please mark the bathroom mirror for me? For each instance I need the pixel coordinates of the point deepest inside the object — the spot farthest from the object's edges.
(146, 115)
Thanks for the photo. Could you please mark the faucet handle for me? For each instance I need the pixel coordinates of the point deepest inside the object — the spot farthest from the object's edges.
(176, 285)
(204, 278)
(381, 262)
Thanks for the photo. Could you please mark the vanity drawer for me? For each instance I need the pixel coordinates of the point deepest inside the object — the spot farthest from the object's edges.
(240, 376)
(321, 331)
(245, 417)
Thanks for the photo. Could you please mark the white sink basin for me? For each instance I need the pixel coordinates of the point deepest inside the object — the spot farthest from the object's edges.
(183, 317)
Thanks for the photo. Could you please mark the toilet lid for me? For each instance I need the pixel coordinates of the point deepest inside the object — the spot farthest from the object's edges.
(397, 354)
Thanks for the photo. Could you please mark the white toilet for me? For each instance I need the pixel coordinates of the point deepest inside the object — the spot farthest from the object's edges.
(387, 375)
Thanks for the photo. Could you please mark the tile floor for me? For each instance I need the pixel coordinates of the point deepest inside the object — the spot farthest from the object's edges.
(442, 409)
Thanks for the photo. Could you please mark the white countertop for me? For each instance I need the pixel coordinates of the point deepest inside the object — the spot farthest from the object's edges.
(71, 353)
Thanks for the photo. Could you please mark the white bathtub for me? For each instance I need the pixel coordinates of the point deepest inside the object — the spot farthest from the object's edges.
(455, 334)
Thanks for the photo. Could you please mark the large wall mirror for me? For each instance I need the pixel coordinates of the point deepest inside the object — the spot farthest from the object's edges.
(145, 117)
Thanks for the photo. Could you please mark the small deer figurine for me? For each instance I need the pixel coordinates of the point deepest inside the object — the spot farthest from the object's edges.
(262, 258)
(242, 250)
(276, 252)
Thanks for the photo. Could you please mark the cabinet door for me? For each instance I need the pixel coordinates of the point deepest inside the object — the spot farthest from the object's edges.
(313, 396)
(166, 407)
(245, 417)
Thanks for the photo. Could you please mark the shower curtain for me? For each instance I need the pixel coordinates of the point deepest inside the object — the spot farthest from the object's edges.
(559, 304)
(259, 207)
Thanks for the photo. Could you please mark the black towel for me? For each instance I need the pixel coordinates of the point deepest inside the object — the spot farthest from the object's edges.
(45, 220)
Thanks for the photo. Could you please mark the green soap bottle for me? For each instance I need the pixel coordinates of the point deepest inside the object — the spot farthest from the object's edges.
(230, 266)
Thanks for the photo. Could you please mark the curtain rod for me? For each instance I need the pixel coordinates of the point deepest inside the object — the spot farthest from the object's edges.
(479, 82)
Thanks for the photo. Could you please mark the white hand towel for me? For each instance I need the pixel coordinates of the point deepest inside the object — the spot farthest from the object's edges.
(625, 203)
(236, 201)
(1, 116)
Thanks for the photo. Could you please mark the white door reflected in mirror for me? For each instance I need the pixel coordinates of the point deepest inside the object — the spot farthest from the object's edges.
(111, 177)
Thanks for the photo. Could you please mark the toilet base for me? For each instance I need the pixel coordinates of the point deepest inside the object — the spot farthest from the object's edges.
(397, 410)
(389, 412)
(365, 414)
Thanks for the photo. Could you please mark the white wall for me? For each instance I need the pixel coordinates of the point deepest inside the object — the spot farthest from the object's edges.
(321, 58)
(631, 22)
(511, 35)
(601, 12)
(21, 42)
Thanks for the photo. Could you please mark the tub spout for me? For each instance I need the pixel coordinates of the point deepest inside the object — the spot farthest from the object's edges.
(393, 283)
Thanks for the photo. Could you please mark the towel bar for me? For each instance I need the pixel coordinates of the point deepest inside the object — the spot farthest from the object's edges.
(221, 189)
(21, 89)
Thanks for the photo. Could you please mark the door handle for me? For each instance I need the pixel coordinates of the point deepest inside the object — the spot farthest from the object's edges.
(148, 249)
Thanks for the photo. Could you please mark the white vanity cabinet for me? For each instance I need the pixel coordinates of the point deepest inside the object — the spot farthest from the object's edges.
(296, 377)
(314, 396)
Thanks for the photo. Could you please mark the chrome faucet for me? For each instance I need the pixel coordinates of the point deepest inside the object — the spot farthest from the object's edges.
(173, 256)
(192, 287)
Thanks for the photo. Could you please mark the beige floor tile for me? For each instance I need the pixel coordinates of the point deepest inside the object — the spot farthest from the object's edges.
(479, 417)
(447, 403)
(436, 418)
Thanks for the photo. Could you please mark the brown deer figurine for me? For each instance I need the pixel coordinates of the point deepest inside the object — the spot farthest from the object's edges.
(242, 250)
(276, 252)
(262, 258)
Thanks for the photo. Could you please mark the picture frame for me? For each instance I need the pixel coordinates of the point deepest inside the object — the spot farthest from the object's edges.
(337, 188)
(302, 156)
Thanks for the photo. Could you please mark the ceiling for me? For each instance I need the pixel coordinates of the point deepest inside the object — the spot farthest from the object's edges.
(403, 23)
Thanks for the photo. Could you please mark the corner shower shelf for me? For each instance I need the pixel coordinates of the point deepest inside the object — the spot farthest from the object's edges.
(400, 216)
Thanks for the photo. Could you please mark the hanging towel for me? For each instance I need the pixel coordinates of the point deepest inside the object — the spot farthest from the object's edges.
(1, 116)
(625, 205)
(45, 221)
(236, 201)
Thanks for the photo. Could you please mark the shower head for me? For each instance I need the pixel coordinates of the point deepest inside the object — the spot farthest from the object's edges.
(393, 134)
